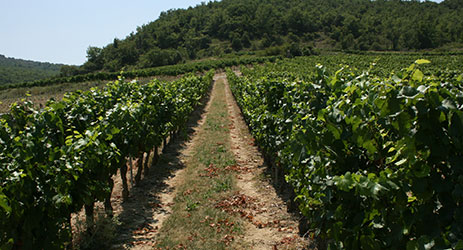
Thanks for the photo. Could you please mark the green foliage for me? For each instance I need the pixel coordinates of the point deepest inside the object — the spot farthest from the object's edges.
(375, 159)
(157, 57)
(55, 160)
(217, 27)
(15, 70)
(171, 70)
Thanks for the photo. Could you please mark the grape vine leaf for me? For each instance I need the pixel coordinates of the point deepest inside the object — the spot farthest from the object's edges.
(4, 203)
(418, 75)
(422, 61)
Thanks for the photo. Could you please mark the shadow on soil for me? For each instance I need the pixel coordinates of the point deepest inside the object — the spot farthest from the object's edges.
(285, 192)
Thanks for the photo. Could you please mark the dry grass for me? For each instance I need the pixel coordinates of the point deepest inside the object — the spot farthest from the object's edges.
(196, 222)
(40, 95)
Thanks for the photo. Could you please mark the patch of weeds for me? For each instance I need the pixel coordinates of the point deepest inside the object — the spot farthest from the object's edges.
(212, 124)
(207, 194)
(205, 159)
(229, 162)
(237, 229)
(191, 205)
(221, 149)
(183, 195)
(222, 185)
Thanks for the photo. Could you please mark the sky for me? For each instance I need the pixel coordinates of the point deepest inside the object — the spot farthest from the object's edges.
(60, 31)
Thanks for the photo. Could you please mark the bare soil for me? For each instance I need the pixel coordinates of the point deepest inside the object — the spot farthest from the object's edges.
(271, 226)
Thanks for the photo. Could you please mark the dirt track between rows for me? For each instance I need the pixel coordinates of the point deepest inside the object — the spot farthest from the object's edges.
(268, 224)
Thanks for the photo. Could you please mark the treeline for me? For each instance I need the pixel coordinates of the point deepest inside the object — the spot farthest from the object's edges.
(16, 70)
(289, 27)
(168, 70)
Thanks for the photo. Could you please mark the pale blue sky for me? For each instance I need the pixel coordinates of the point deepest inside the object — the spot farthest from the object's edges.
(60, 31)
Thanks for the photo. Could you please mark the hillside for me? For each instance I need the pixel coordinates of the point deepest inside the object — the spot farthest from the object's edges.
(286, 27)
(16, 70)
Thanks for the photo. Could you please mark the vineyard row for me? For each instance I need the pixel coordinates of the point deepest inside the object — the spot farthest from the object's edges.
(56, 160)
(376, 161)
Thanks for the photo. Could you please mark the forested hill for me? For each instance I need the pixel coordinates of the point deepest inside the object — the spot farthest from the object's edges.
(283, 26)
(16, 70)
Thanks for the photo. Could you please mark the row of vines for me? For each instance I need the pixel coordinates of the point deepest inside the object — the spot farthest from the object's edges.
(375, 158)
(58, 159)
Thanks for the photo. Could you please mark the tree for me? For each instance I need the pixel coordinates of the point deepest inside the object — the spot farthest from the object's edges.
(236, 43)
(69, 70)
(347, 24)
(95, 60)
(159, 57)
(347, 42)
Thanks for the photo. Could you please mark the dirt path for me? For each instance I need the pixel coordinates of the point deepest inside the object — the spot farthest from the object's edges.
(272, 227)
(266, 222)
